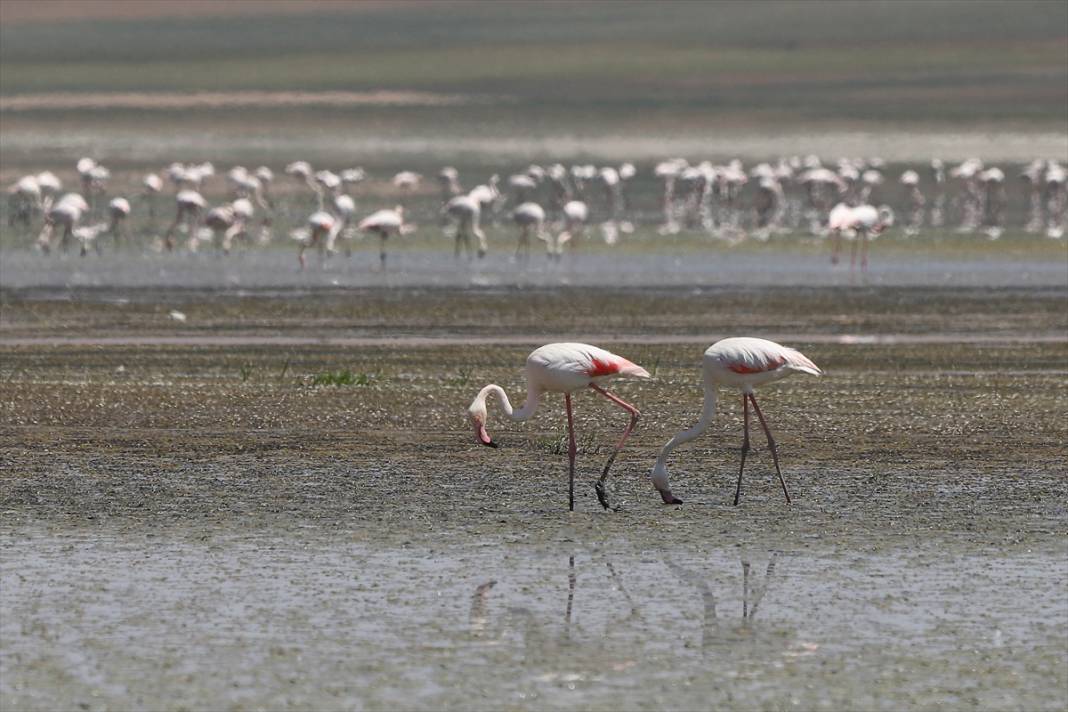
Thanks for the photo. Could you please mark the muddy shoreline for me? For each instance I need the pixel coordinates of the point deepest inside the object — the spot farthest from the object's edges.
(197, 524)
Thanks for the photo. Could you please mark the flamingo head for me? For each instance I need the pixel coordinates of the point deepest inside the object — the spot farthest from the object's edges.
(477, 415)
(660, 482)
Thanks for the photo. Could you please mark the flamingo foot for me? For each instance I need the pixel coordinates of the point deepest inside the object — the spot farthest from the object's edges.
(668, 497)
(602, 496)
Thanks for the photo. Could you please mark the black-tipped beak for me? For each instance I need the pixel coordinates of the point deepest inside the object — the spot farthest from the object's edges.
(482, 436)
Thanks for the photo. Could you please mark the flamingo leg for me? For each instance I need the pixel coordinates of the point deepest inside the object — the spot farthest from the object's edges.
(572, 450)
(745, 447)
(836, 246)
(571, 581)
(635, 414)
(771, 444)
(382, 250)
(864, 253)
(745, 589)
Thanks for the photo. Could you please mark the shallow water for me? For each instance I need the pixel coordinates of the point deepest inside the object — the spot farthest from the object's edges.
(785, 266)
(116, 620)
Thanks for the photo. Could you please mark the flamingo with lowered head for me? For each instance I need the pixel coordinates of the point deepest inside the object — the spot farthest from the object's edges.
(385, 223)
(742, 362)
(564, 368)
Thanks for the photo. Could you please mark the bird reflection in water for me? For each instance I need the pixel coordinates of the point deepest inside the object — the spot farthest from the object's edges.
(752, 597)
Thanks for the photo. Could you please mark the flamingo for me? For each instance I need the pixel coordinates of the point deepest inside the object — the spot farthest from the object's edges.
(1032, 175)
(24, 200)
(466, 212)
(67, 212)
(742, 362)
(992, 181)
(50, 187)
(384, 223)
(1056, 199)
(344, 209)
(863, 222)
(564, 368)
(151, 185)
(910, 180)
(321, 231)
(522, 185)
(487, 195)
(576, 213)
(87, 234)
(527, 216)
(118, 211)
(191, 205)
(407, 182)
(449, 182)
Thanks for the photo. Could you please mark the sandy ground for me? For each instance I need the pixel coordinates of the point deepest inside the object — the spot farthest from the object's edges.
(196, 524)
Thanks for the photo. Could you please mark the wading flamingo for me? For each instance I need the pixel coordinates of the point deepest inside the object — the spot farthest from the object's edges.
(385, 223)
(744, 363)
(860, 224)
(465, 212)
(564, 368)
(528, 216)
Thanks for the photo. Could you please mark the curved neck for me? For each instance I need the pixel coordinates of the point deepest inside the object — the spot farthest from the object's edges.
(524, 412)
(708, 411)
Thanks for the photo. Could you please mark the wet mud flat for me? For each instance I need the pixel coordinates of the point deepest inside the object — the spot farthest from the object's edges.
(204, 525)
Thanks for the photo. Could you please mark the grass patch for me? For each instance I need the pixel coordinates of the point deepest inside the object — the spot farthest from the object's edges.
(343, 377)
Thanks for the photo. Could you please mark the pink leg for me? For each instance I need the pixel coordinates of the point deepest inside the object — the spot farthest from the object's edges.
(836, 246)
(771, 445)
(635, 414)
(572, 450)
(853, 254)
(745, 447)
(864, 253)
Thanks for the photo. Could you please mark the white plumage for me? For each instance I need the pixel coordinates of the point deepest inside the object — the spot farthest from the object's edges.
(743, 363)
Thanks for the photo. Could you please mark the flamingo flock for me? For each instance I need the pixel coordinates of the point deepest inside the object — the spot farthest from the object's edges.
(569, 368)
(561, 206)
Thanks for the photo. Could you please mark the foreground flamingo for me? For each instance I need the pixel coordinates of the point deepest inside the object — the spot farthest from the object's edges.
(743, 363)
(564, 368)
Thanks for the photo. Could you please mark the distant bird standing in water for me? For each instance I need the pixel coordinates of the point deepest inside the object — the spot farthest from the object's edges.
(466, 212)
(743, 363)
(385, 223)
(66, 213)
(191, 206)
(528, 216)
(564, 368)
(859, 225)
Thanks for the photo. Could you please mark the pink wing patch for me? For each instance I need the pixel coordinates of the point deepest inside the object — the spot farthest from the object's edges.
(602, 368)
(745, 368)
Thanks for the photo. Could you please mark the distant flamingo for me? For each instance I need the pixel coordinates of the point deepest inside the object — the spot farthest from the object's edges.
(191, 206)
(743, 363)
(385, 223)
(576, 214)
(564, 368)
(528, 216)
(118, 211)
(320, 233)
(66, 213)
(465, 212)
(487, 195)
(24, 200)
(861, 224)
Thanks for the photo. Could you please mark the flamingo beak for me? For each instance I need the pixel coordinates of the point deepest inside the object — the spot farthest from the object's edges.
(483, 436)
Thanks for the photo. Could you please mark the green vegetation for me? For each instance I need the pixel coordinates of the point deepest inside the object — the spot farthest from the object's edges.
(343, 377)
